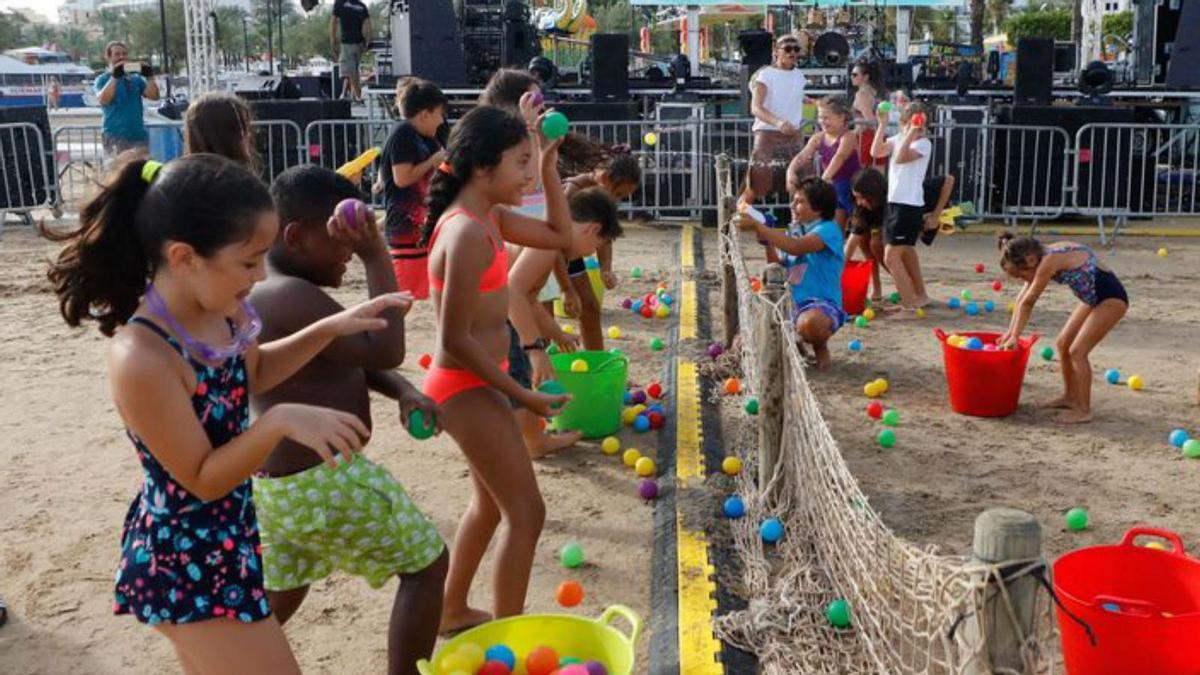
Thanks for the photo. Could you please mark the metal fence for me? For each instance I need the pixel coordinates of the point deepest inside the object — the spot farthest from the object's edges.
(1008, 172)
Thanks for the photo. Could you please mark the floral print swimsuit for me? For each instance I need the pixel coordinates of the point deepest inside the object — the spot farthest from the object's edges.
(184, 559)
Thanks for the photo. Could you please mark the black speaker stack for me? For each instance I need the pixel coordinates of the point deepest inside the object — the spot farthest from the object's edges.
(277, 145)
(756, 47)
(25, 167)
(610, 66)
(1183, 64)
(1035, 71)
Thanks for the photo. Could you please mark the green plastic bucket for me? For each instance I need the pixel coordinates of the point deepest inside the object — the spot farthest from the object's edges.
(596, 396)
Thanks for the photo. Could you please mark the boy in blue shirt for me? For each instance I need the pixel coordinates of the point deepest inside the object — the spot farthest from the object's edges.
(812, 252)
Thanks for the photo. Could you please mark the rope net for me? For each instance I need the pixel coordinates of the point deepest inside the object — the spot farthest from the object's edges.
(913, 609)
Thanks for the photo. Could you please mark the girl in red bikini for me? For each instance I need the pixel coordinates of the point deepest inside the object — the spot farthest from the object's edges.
(489, 159)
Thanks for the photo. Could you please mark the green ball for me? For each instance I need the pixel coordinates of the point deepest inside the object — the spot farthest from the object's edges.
(1191, 448)
(657, 344)
(568, 661)
(894, 298)
(866, 303)
(891, 418)
(838, 613)
(752, 406)
(636, 273)
(571, 555)
(861, 322)
(419, 427)
(966, 295)
(887, 438)
(1077, 519)
(554, 126)
(552, 350)
(1048, 353)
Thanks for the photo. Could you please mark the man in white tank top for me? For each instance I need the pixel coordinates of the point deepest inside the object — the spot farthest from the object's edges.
(777, 103)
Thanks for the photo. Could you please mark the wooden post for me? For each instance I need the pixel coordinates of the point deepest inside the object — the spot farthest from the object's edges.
(1003, 535)
(771, 374)
(726, 206)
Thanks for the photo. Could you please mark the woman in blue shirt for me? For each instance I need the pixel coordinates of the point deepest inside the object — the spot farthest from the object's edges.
(811, 251)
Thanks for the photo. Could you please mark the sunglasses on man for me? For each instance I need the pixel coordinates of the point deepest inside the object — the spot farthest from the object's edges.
(790, 48)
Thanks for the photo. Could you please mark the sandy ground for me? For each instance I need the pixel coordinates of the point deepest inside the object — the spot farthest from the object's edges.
(946, 468)
(69, 474)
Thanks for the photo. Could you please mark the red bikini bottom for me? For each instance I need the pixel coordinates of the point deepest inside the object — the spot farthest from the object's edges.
(443, 384)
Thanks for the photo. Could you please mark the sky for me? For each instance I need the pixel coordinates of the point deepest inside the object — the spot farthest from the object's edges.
(47, 8)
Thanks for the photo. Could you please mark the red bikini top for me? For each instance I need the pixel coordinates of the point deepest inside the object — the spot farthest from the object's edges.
(495, 277)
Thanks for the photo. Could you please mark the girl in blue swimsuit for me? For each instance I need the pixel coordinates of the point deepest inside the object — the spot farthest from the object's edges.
(1103, 303)
(163, 261)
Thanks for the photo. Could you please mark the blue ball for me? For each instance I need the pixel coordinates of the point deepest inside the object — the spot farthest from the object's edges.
(989, 306)
(591, 263)
(1178, 437)
(636, 307)
(641, 423)
(955, 303)
(657, 407)
(666, 299)
(734, 508)
(628, 398)
(855, 345)
(975, 343)
(1112, 376)
(771, 530)
(972, 308)
(502, 654)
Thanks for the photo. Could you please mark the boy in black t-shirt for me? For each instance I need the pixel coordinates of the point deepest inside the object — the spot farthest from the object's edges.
(410, 156)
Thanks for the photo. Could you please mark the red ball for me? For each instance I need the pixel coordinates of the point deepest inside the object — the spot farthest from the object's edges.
(979, 268)
(425, 360)
(647, 312)
(875, 409)
(655, 390)
(570, 593)
(494, 668)
(541, 661)
(656, 420)
(918, 120)
(997, 286)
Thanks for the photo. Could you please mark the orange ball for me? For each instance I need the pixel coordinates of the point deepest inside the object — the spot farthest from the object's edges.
(755, 285)
(570, 593)
(732, 386)
(541, 661)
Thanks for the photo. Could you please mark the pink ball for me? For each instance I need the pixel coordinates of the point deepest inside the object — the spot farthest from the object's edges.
(573, 669)
(352, 212)
(538, 99)
(648, 489)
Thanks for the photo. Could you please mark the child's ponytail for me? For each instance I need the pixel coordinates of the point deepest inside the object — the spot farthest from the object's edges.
(103, 270)
(202, 200)
(443, 190)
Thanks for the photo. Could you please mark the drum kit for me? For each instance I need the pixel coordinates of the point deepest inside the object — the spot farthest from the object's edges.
(825, 39)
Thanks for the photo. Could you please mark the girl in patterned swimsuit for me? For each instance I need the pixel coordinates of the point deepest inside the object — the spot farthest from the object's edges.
(163, 261)
(1103, 303)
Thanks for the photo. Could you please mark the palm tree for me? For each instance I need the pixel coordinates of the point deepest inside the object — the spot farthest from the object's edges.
(976, 8)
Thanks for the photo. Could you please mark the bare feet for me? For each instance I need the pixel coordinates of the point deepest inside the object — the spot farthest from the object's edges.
(551, 443)
(1060, 403)
(924, 301)
(821, 356)
(1073, 416)
(457, 622)
(877, 299)
(906, 314)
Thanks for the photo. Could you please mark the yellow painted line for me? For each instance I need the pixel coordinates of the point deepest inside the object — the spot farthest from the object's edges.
(1045, 227)
(687, 310)
(689, 462)
(687, 257)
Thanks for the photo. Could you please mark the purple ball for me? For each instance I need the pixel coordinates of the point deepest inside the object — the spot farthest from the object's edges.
(715, 350)
(596, 668)
(648, 489)
(352, 212)
(627, 303)
(639, 397)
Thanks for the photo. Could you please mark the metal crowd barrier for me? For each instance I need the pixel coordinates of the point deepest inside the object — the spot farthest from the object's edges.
(332, 143)
(26, 170)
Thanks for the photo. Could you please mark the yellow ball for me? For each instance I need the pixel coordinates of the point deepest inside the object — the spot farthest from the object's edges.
(1156, 545)
(1162, 253)
(639, 409)
(644, 467)
(614, 332)
(1135, 382)
(631, 457)
(579, 366)
(869, 314)
(871, 389)
(628, 415)
(453, 663)
(920, 313)
(473, 654)
(732, 466)
(568, 329)
(1012, 306)
(662, 312)
(651, 138)
(882, 384)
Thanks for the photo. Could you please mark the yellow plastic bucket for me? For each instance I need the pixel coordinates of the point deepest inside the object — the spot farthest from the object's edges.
(597, 288)
(574, 636)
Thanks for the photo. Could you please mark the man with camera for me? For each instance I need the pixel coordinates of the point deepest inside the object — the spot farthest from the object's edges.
(120, 91)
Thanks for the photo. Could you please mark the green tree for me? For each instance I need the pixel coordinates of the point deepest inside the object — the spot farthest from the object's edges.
(996, 11)
(1050, 23)
(1119, 24)
(12, 25)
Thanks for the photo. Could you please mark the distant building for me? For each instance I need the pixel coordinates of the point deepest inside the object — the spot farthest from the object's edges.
(1113, 6)
(80, 14)
(136, 5)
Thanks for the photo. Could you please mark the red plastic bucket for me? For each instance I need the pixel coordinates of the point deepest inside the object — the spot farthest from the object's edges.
(1142, 605)
(856, 280)
(982, 383)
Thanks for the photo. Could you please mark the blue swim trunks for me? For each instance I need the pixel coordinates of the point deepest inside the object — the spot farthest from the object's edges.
(835, 313)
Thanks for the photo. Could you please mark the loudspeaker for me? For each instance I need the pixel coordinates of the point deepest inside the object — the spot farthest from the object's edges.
(1035, 71)
(610, 66)
(331, 146)
(1064, 57)
(426, 43)
(309, 86)
(756, 46)
(1183, 68)
(266, 87)
(1167, 23)
(23, 169)
(897, 76)
(520, 44)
